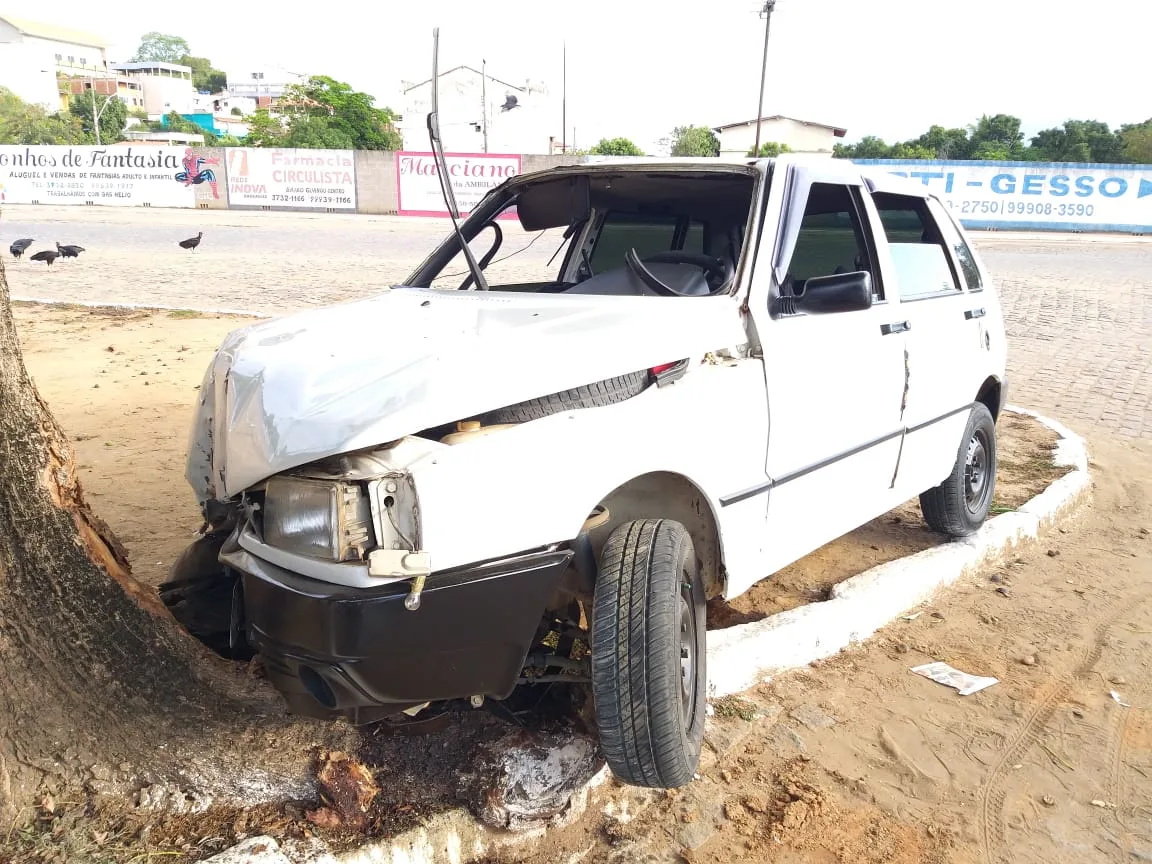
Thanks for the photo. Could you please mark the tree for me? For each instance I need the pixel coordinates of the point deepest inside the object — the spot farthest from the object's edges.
(944, 143)
(349, 115)
(771, 149)
(22, 123)
(317, 133)
(615, 147)
(264, 130)
(204, 75)
(1137, 138)
(997, 138)
(99, 686)
(113, 116)
(1078, 141)
(694, 141)
(161, 48)
(868, 147)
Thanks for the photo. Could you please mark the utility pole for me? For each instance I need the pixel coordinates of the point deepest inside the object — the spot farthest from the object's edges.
(766, 14)
(564, 104)
(484, 99)
(96, 114)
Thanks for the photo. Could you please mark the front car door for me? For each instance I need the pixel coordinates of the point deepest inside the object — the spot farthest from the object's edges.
(835, 381)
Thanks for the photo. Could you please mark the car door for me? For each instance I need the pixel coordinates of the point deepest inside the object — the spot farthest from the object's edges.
(835, 381)
(941, 339)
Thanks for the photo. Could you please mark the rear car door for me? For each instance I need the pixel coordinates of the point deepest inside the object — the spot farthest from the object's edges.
(835, 381)
(942, 339)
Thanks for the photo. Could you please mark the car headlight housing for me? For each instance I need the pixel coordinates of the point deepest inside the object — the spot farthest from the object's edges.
(318, 518)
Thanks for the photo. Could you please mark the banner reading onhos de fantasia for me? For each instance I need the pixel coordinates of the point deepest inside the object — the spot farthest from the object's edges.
(291, 179)
(115, 175)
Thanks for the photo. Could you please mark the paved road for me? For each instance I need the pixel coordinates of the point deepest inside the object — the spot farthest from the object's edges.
(1078, 308)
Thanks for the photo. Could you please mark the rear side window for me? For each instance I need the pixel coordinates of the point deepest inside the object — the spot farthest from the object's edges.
(919, 250)
(646, 234)
(955, 239)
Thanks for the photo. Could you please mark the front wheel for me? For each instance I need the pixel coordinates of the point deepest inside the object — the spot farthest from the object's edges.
(648, 654)
(960, 504)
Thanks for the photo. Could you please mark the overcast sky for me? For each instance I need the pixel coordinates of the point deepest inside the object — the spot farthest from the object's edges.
(639, 67)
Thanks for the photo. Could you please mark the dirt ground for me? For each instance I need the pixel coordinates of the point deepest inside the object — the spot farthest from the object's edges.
(859, 760)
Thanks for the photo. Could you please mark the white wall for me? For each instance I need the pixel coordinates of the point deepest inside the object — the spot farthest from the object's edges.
(801, 137)
(524, 129)
(163, 94)
(29, 71)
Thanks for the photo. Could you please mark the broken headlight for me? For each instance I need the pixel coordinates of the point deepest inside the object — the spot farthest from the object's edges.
(318, 518)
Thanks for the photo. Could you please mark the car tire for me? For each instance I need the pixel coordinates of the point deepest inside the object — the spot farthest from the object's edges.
(960, 504)
(606, 392)
(648, 643)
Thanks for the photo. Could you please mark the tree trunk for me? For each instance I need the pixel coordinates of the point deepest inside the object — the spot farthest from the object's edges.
(99, 686)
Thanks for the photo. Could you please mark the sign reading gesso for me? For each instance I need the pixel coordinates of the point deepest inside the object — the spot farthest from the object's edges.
(1037, 195)
(119, 175)
(471, 175)
(286, 179)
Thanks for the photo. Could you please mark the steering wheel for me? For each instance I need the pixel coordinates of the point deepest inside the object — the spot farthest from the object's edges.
(715, 270)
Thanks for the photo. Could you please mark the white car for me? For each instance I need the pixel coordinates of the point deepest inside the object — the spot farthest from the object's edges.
(438, 495)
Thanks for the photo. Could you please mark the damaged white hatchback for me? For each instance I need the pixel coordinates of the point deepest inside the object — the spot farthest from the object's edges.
(475, 482)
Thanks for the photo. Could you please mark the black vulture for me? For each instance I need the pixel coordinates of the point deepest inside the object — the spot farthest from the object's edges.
(46, 255)
(191, 242)
(69, 251)
(18, 246)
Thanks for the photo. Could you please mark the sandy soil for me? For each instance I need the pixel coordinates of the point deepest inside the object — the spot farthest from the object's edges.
(860, 760)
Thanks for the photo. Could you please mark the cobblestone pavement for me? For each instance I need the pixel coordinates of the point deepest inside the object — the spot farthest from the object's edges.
(1078, 308)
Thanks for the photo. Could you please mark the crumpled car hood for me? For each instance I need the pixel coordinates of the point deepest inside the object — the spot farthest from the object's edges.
(286, 392)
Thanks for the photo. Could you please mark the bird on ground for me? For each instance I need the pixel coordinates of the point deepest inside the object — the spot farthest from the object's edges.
(191, 242)
(69, 250)
(46, 255)
(18, 246)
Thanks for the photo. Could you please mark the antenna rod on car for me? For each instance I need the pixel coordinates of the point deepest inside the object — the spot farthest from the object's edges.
(442, 165)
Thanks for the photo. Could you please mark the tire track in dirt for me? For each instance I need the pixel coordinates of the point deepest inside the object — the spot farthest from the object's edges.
(992, 795)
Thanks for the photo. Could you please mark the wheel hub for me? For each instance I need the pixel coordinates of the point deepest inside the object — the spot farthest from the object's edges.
(975, 472)
(687, 658)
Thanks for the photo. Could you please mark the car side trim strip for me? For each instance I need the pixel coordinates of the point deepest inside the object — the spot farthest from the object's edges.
(771, 483)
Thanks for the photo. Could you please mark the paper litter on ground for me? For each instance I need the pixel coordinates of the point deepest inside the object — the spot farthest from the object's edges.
(944, 674)
(1119, 700)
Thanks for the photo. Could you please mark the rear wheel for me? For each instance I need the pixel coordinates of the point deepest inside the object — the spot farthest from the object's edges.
(648, 654)
(960, 504)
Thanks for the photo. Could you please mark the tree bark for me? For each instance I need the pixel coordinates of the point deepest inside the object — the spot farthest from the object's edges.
(99, 686)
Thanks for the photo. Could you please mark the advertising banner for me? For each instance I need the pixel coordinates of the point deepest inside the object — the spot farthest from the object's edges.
(291, 179)
(116, 175)
(1040, 196)
(471, 175)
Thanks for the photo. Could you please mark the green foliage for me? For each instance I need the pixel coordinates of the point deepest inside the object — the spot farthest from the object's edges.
(1137, 139)
(113, 116)
(161, 48)
(236, 112)
(22, 123)
(174, 122)
(615, 147)
(694, 141)
(264, 130)
(998, 138)
(323, 109)
(770, 150)
(204, 75)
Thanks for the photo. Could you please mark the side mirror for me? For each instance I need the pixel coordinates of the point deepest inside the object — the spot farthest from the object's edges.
(840, 292)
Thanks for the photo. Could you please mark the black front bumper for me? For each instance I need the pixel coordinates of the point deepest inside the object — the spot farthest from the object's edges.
(355, 652)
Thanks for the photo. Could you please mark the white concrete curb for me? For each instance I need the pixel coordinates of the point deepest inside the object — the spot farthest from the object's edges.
(741, 657)
(745, 655)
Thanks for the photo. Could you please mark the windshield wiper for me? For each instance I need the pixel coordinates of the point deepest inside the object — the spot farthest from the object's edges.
(442, 166)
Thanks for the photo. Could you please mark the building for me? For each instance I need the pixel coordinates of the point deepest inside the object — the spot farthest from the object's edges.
(263, 84)
(803, 136)
(128, 88)
(480, 113)
(35, 55)
(165, 87)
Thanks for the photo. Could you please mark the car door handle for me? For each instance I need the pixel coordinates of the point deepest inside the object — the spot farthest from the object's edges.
(974, 313)
(895, 327)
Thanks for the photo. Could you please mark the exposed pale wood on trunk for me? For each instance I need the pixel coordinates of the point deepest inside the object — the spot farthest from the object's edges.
(96, 678)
